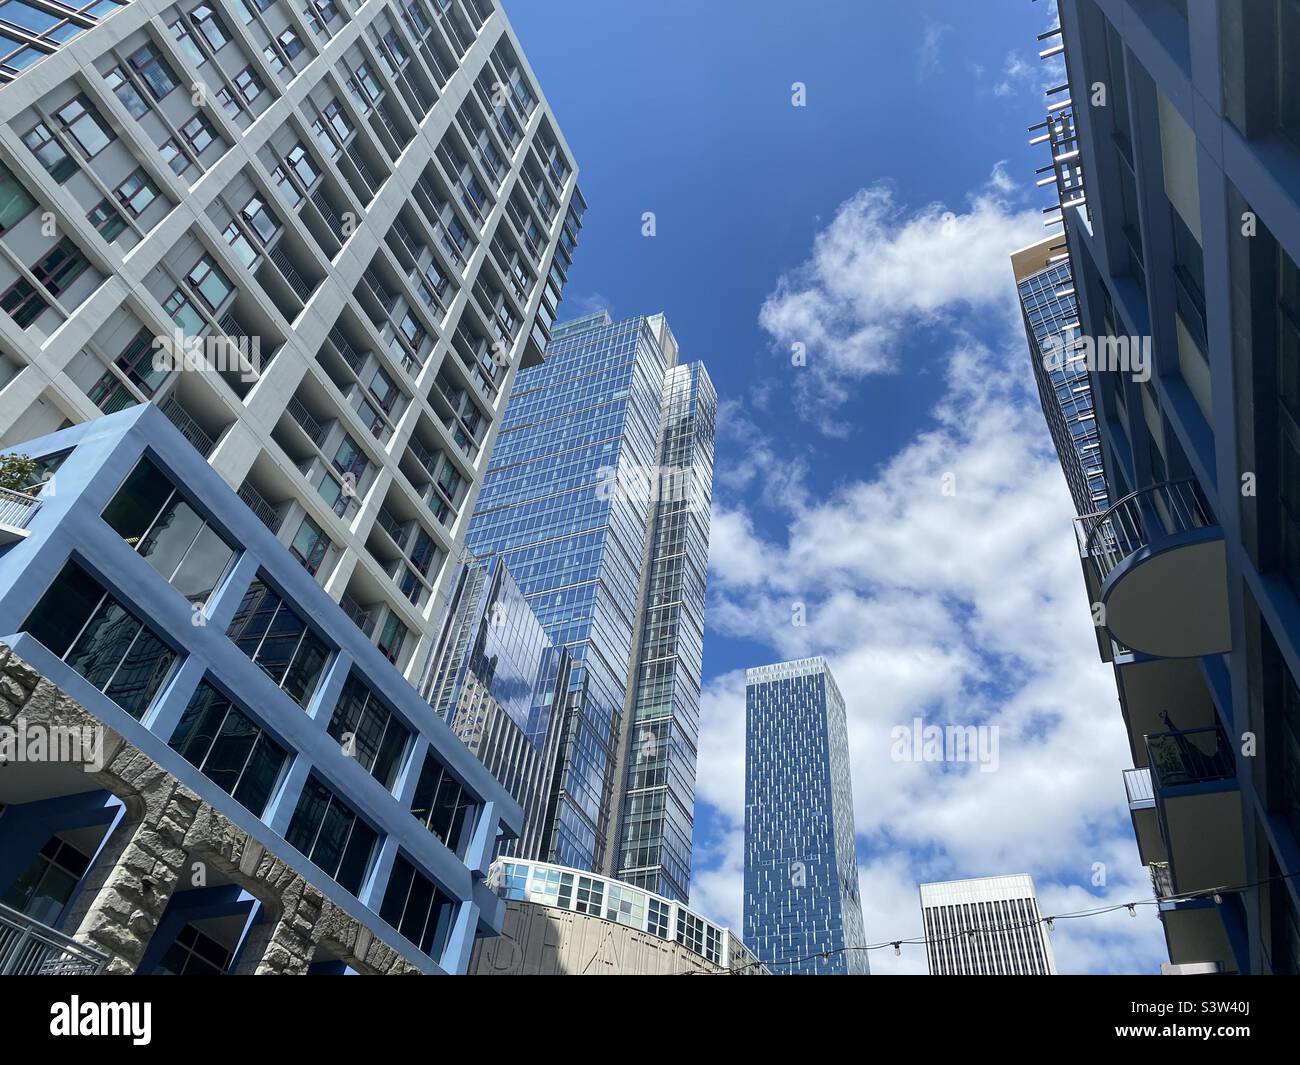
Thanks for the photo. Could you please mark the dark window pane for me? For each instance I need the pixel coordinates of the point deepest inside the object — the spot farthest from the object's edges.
(356, 859)
(142, 495)
(308, 815)
(64, 609)
(328, 852)
(142, 672)
(280, 643)
(300, 682)
(261, 774)
(100, 648)
(230, 750)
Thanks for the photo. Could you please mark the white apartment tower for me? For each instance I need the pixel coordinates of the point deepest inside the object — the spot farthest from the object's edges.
(989, 926)
(322, 235)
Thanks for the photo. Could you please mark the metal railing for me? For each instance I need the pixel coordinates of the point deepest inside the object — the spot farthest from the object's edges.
(1141, 518)
(1137, 785)
(17, 508)
(267, 514)
(29, 948)
(291, 274)
(309, 425)
(1192, 757)
(190, 429)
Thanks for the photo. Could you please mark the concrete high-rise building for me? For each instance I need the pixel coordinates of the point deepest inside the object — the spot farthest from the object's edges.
(321, 235)
(801, 868)
(1051, 319)
(598, 500)
(208, 768)
(1181, 215)
(499, 681)
(568, 922)
(988, 926)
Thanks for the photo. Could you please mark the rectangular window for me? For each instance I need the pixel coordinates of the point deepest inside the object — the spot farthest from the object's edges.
(42, 144)
(260, 218)
(177, 161)
(87, 130)
(126, 92)
(417, 909)
(60, 267)
(210, 283)
(310, 545)
(136, 193)
(153, 70)
(198, 134)
(442, 805)
(152, 517)
(77, 620)
(274, 636)
(392, 639)
(107, 219)
(209, 24)
(329, 833)
(23, 303)
(371, 732)
(229, 748)
(249, 85)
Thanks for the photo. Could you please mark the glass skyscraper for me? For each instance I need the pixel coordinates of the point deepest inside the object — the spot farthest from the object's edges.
(496, 678)
(1045, 287)
(598, 500)
(801, 873)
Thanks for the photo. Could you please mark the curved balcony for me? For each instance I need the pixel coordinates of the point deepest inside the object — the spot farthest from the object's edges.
(1160, 572)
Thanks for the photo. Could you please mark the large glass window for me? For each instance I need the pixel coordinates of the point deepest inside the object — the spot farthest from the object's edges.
(442, 805)
(87, 130)
(417, 909)
(309, 545)
(273, 635)
(370, 732)
(193, 953)
(329, 832)
(153, 69)
(51, 154)
(152, 517)
(101, 639)
(15, 201)
(229, 748)
(45, 886)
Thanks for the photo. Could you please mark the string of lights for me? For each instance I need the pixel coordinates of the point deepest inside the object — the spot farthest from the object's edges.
(970, 933)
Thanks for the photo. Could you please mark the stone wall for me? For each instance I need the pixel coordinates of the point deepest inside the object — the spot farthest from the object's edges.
(167, 828)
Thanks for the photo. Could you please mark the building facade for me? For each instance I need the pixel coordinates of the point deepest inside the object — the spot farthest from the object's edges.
(1046, 291)
(261, 790)
(321, 235)
(567, 922)
(801, 868)
(1183, 234)
(989, 926)
(499, 681)
(598, 499)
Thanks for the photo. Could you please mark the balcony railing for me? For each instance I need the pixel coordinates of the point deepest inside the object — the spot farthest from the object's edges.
(267, 514)
(1197, 756)
(296, 281)
(1162, 882)
(190, 429)
(17, 508)
(29, 948)
(309, 425)
(361, 617)
(1141, 518)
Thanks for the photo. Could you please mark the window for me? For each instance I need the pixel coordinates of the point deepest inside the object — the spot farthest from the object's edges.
(181, 34)
(209, 25)
(81, 623)
(152, 517)
(86, 129)
(392, 639)
(153, 69)
(23, 303)
(371, 732)
(657, 918)
(184, 313)
(107, 219)
(274, 636)
(15, 202)
(243, 249)
(589, 896)
(58, 269)
(45, 886)
(193, 953)
(125, 91)
(417, 909)
(330, 834)
(198, 134)
(227, 102)
(229, 748)
(273, 60)
(350, 459)
(366, 80)
(136, 363)
(442, 806)
(300, 163)
(259, 217)
(690, 931)
(310, 545)
(210, 283)
(42, 144)
(249, 85)
(289, 44)
(136, 193)
(177, 161)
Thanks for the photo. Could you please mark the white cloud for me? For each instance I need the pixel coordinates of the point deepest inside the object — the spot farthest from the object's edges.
(961, 607)
(878, 272)
(927, 56)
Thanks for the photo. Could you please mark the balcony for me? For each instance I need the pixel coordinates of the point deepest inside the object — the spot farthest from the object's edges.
(1198, 803)
(29, 948)
(16, 510)
(1146, 823)
(190, 429)
(1156, 562)
(268, 514)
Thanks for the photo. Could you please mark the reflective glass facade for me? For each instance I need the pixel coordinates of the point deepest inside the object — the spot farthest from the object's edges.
(611, 561)
(801, 874)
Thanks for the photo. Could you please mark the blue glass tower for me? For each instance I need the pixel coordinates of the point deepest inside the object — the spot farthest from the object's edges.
(598, 498)
(801, 873)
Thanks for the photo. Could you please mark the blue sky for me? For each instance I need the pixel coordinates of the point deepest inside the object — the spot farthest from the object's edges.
(872, 227)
